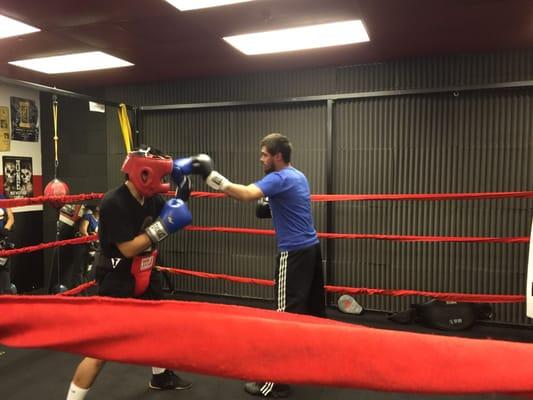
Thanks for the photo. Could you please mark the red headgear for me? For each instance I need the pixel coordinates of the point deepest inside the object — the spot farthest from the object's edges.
(146, 170)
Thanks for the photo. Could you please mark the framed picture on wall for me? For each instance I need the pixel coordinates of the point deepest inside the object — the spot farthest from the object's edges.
(5, 137)
(24, 120)
(18, 176)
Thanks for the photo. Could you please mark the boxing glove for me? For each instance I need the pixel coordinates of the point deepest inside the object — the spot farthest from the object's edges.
(184, 189)
(262, 208)
(200, 164)
(179, 168)
(217, 181)
(174, 216)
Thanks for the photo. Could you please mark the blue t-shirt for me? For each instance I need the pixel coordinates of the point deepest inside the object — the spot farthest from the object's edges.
(93, 222)
(290, 203)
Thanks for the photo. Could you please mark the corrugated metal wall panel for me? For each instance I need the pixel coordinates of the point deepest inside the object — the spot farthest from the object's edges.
(231, 137)
(420, 73)
(227, 88)
(474, 142)
(477, 142)
(443, 71)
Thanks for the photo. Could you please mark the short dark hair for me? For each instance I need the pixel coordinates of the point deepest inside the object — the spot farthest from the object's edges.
(277, 143)
(143, 148)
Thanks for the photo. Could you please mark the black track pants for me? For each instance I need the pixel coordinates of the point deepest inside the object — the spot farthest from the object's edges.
(300, 282)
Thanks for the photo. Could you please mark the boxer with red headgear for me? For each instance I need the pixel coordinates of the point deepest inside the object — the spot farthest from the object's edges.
(134, 218)
(146, 169)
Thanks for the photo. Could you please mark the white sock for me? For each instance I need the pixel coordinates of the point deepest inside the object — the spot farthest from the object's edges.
(156, 371)
(76, 393)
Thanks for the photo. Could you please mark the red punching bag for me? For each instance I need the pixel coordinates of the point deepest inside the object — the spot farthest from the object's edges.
(56, 187)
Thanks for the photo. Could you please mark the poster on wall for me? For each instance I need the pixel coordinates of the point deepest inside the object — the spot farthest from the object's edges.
(18, 177)
(5, 141)
(24, 120)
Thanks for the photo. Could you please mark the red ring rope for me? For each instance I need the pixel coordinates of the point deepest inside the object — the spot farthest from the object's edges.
(261, 345)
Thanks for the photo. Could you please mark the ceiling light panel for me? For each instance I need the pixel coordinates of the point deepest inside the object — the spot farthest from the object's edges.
(186, 5)
(90, 61)
(10, 27)
(306, 37)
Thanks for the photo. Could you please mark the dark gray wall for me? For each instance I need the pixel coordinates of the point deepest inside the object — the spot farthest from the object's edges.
(475, 142)
(27, 269)
(231, 138)
(82, 153)
(421, 73)
(479, 141)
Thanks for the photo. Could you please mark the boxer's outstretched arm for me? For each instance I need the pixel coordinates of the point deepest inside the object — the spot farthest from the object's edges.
(243, 193)
(219, 182)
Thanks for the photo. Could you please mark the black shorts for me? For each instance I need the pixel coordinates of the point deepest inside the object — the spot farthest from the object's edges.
(5, 279)
(119, 282)
(300, 282)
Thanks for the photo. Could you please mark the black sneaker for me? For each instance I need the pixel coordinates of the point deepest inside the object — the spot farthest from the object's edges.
(168, 380)
(267, 389)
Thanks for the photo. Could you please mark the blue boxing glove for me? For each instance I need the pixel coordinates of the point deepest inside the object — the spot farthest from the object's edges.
(180, 169)
(200, 164)
(174, 216)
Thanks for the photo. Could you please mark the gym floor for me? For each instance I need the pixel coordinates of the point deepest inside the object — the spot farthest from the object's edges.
(42, 374)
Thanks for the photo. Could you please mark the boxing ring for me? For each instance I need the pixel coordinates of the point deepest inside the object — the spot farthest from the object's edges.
(236, 342)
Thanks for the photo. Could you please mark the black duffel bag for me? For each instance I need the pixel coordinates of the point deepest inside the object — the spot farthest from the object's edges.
(448, 316)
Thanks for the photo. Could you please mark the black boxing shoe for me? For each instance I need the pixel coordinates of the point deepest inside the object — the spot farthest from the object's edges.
(267, 389)
(168, 380)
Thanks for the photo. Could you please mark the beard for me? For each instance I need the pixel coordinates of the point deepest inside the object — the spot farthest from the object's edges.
(268, 169)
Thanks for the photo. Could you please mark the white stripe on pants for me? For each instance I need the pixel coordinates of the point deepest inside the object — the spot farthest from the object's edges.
(267, 388)
(282, 304)
(282, 281)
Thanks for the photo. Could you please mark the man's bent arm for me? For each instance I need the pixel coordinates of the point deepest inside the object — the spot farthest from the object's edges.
(135, 246)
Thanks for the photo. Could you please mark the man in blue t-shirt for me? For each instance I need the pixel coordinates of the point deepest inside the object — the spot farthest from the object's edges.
(299, 275)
